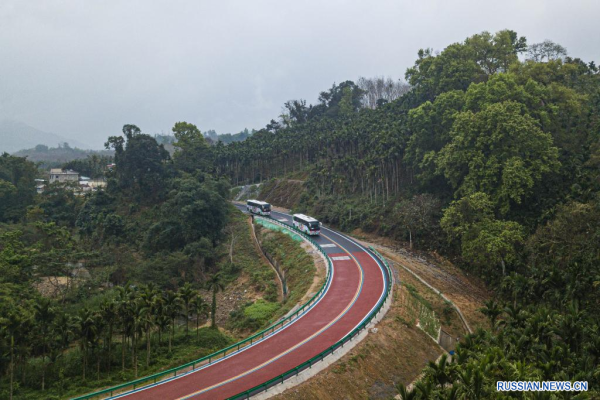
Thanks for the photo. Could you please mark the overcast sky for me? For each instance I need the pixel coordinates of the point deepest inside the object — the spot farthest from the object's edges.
(84, 68)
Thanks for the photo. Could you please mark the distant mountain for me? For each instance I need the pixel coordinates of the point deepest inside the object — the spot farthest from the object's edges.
(16, 135)
(52, 157)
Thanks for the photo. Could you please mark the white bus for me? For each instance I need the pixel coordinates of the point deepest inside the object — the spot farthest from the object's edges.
(306, 224)
(258, 207)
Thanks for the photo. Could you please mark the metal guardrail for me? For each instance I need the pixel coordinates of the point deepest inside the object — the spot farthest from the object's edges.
(319, 357)
(236, 347)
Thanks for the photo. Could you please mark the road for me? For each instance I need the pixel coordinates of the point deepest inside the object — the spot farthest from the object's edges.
(357, 286)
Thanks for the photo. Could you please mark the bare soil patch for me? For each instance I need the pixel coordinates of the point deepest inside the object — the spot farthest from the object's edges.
(467, 292)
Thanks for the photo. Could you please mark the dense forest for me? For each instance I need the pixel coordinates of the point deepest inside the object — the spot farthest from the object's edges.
(492, 157)
(100, 288)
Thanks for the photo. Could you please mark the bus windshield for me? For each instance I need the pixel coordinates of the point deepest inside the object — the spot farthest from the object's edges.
(266, 207)
(313, 225)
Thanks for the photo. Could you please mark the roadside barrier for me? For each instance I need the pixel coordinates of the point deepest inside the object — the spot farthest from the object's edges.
(319, 357)
(227, 351)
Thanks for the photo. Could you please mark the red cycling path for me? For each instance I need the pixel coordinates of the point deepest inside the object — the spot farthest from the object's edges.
(357, 285)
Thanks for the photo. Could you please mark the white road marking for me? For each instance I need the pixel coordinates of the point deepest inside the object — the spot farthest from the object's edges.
(340, 258)
(328, 245)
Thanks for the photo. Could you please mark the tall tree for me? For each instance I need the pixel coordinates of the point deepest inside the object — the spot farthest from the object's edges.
(186, 294)
(191, 149)
(215, 284)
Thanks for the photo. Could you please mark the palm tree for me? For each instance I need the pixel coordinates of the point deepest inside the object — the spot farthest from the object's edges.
(404, 393)
(425, 388)
(215, 284)
(12, 324)
(44, 314)
(172, 304)
(186, 294)
(139, 313)
(491, 310)
(125, 297)
(62, 328)
(85, 326)
(162, 322)
(201, 309)
(441, 373)
(148, 305)
(94, 340)
(109, 312)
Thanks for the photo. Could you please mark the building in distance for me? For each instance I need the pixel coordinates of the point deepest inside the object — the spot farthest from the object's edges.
(63, 175)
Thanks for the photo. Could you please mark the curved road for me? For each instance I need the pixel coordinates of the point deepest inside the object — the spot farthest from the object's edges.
(357, 286)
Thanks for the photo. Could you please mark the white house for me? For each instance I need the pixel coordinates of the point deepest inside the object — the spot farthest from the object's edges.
(63, 176)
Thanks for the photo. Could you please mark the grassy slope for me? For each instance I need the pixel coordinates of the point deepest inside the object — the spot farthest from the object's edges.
(300, 271)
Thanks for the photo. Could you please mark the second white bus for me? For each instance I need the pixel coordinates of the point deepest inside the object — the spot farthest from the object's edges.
(307, 224)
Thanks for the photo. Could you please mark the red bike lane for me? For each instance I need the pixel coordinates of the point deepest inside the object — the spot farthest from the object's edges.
(356, 287)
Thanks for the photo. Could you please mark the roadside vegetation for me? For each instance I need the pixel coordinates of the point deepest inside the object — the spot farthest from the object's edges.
(490, 159)
(102, 288)
(155, 271)
(299, 271)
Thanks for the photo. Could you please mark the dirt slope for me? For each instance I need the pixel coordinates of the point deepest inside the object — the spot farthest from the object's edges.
(398, 351)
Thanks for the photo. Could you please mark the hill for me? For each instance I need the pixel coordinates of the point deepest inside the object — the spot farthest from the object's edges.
(16, 135)
(56, 156)
(492, 159)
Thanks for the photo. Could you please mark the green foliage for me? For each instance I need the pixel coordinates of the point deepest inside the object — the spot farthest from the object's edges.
(81, 250)
(497, 151)
(509, 150)
(17, 187)
(253, 316)
(202, 213)
(418, 215)
(484, 239)
(191, 149)
(60, 204)
(93, 166)
(141, 163)
(461, 64)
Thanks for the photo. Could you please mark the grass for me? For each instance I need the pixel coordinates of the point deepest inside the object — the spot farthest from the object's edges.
(298, 266)
(299, 270)
(418, 308)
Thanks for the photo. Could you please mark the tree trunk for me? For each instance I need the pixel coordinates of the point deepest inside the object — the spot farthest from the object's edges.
(187, 320)
(84, 362)
(135, 366)
(110, 335)
(147, 346)
(503, 267)
(123, 342)
(12, 364)
(133, 343)
(213, 323)
(172, 333)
